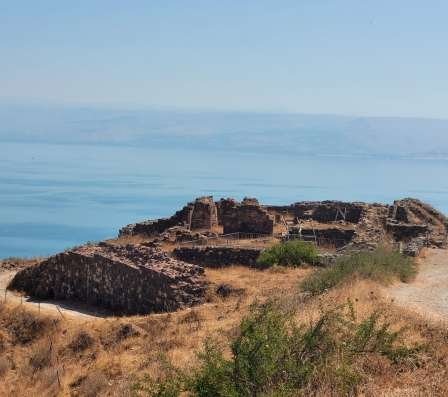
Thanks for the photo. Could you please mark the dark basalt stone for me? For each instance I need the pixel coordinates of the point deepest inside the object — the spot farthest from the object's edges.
(130, 279)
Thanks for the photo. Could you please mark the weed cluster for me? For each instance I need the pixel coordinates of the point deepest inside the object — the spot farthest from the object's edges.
(25, 327)
(81, 342)
(382, 265)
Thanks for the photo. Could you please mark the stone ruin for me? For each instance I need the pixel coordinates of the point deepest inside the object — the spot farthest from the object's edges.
(141, 278)
(245, 217)
(409, 223)
(218, 257)
(205, 214)
(416, 224)
(132, 279)
(201, 214)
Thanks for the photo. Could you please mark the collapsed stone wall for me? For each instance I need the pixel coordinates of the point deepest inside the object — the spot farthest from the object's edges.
(406, 231)
(319, 211)
(204, 214)
(245, 217)
(200, 214)
(156, 226)
(216, 257)
(411, 218)
(134, 279)
(330, 236)
(370, 230)
(409, 224)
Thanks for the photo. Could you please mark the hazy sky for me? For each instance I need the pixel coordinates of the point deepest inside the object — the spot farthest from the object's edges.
(369, 57)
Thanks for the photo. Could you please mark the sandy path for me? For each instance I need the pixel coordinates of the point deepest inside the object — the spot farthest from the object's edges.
(60, 308)
(428, 293)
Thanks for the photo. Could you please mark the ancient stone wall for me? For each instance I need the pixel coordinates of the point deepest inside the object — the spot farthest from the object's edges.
(157, 226)
(132, 279)
(331, 236)
(319, 211)
(370, 230)
(411, 218)
(200, 214)
(245, 217)
(406, 231)
(217, 257)
(204, 214)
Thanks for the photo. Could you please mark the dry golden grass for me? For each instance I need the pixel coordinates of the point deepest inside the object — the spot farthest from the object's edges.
(16, 263)
(74, 357)
(123, 240)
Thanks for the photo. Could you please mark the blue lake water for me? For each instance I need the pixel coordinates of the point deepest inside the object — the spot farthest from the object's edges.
(56, 196)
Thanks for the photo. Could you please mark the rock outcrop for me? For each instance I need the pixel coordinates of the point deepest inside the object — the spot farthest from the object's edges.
(133, 279)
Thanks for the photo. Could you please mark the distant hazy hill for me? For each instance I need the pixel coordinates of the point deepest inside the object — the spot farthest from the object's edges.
(237, 131)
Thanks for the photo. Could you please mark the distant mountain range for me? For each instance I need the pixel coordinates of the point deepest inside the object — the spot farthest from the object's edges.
(299, 134)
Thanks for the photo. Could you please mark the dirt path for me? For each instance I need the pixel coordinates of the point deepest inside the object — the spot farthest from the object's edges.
(54, 307)
(428, 293)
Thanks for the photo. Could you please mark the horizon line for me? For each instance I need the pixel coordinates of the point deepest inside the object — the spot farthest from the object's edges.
(123, 106)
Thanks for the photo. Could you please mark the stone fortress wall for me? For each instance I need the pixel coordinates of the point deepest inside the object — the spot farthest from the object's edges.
(132, 279)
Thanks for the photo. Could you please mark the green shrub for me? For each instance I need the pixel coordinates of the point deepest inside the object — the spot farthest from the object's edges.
(381, 265)
(275, 356)
(214, 377)
(261, 351)
(170, 385)
(290, 253)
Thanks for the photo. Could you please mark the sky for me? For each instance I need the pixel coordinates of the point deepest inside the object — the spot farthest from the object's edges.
(369, 57)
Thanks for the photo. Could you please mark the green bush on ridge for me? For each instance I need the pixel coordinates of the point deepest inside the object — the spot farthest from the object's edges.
(290, 253)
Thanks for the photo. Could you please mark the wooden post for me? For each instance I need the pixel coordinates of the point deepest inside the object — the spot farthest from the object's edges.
(59, 310)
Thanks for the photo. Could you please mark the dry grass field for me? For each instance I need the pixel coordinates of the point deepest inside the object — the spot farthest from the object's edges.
(51, 356)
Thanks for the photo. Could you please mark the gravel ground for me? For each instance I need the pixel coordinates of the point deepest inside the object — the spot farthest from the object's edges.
(428, 293)
(59, 308)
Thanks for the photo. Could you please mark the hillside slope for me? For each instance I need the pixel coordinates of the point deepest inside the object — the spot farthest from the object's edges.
(235, 131)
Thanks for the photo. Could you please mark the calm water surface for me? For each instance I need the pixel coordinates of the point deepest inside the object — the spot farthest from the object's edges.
(56, 196)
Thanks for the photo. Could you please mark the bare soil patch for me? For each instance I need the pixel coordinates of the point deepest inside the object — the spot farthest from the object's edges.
(427, 294)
